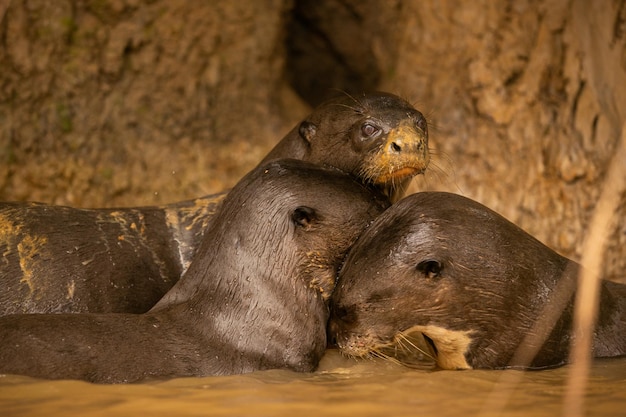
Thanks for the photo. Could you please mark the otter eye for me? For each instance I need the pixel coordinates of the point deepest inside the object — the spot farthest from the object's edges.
(368, 130)
(430, 268)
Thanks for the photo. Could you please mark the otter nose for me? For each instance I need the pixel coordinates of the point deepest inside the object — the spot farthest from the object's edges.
(406, 139)
(395, 146)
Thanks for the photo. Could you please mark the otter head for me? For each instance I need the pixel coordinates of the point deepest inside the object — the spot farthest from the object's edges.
(442, 277)
(377, 137)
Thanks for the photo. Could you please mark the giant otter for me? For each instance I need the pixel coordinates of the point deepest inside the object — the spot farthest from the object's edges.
(61, 259)
(468, 281)
(254, 296)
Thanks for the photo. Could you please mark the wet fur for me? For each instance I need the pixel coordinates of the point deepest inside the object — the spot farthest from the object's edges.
(245, 303)
(125, 259)
(334, 137)
(63, 259)
(493, 283)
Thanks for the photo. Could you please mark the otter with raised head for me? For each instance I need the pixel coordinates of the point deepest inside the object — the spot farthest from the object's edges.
(62, 259)
(254, 297)
(471, 284)
(378, 137)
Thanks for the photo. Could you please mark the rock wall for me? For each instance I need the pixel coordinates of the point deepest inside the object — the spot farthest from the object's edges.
(528, 100)
(113, 102)
(137, 102)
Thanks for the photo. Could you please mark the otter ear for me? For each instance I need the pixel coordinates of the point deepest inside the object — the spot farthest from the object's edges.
(303, 216)
(307, 130)
(430, 268)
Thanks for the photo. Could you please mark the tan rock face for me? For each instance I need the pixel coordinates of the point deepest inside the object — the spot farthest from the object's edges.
(106, 103)
(109, 103)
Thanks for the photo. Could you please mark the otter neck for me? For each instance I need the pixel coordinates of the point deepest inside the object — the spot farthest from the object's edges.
(241, 296)
(610, 334)
(291, 146)
(609, 338)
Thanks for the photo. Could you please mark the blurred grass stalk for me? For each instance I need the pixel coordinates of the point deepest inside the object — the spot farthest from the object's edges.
(586, 304)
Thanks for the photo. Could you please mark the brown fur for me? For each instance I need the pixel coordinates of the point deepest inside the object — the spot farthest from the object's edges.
(248, 301)
(471, 282)
(61, 259)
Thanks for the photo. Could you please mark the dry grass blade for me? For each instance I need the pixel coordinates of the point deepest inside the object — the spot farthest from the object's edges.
(586, 307)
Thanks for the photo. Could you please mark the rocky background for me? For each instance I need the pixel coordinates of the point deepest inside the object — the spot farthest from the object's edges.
(137, 102)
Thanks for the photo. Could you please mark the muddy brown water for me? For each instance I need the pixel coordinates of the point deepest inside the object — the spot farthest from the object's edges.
(341, 387)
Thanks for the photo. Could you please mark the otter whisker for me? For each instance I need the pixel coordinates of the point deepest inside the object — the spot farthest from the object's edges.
(403, 354)
(381, 355)
(440, 171)
(434, 151)
(367, 175)
(354, 109)
(402, 338)
(344, 92)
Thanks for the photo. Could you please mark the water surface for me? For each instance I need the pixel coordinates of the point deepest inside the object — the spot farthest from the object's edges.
(341, 387)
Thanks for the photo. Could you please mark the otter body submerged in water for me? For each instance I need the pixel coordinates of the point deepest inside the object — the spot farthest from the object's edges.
(254, 297)
(446, 268)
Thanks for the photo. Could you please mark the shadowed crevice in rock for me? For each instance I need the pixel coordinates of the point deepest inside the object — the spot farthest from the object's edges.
(329, 48)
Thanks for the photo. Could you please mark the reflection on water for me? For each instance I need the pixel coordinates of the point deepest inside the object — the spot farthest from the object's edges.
(341, 387)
